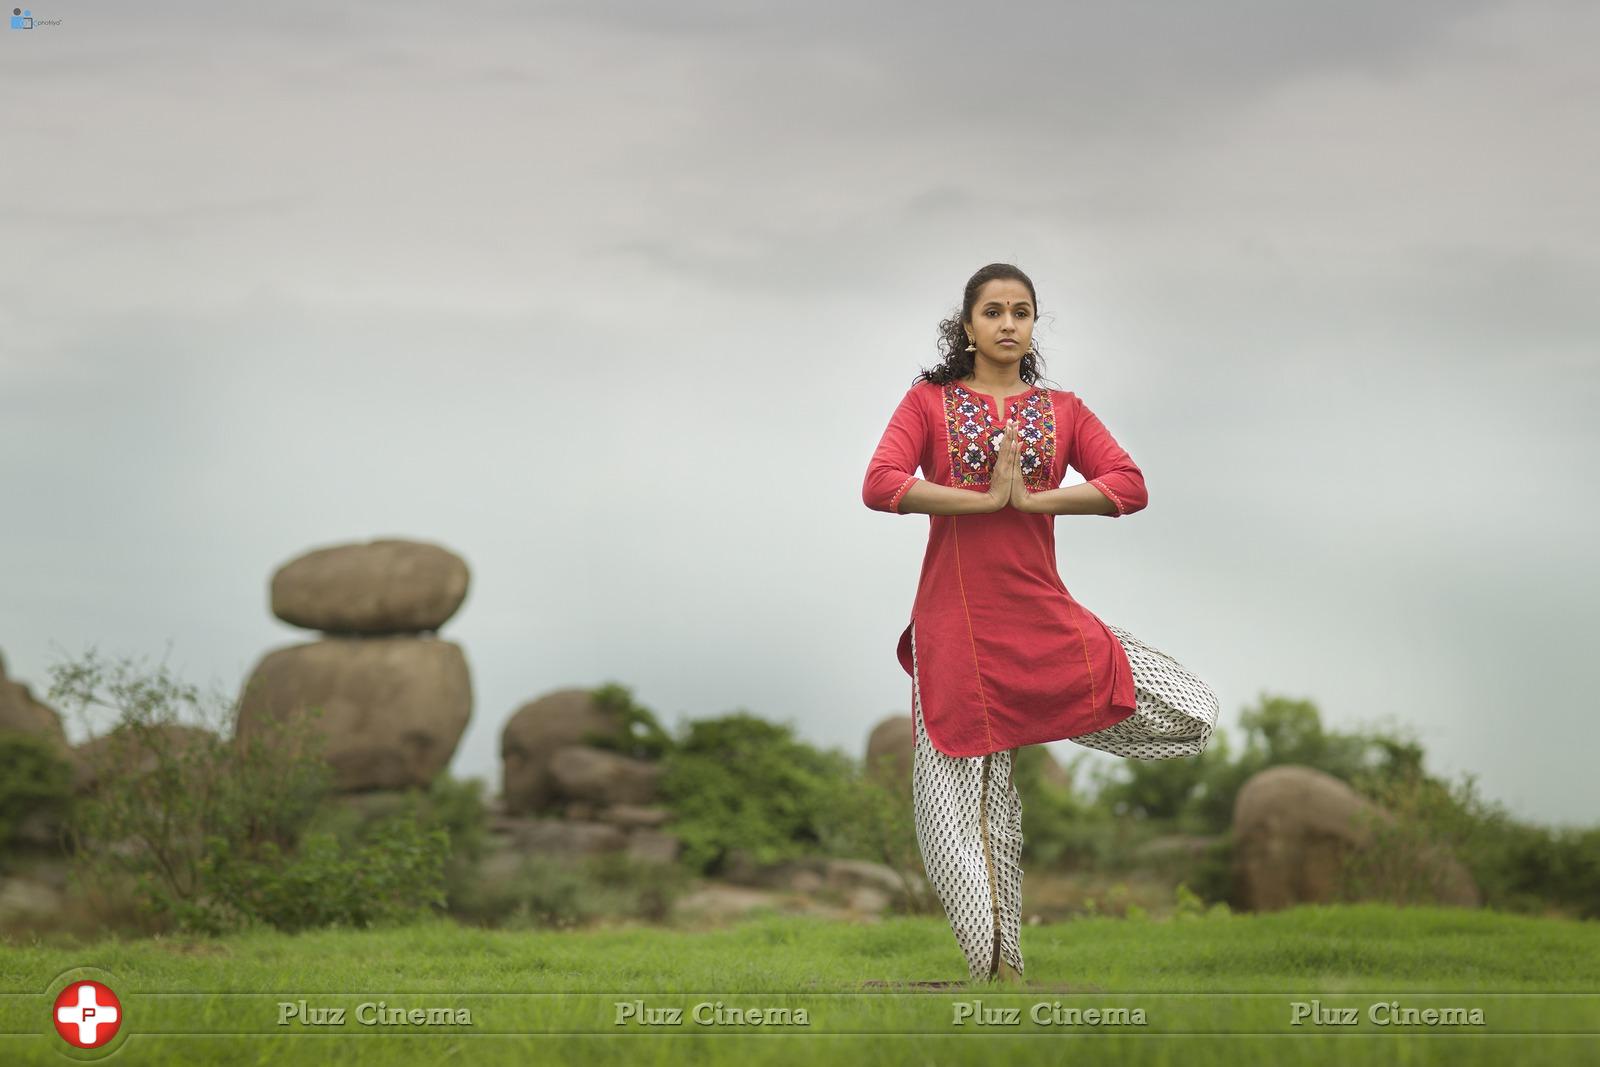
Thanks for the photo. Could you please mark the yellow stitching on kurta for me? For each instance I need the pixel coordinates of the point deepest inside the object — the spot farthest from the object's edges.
(1094, 715)
(977, 673)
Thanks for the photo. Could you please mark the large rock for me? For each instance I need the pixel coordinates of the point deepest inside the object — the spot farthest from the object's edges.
(603, 777)
(1295, 827)
(532, 735)
(20, 712)
(381, 587)
(393, 708)
(891, 750)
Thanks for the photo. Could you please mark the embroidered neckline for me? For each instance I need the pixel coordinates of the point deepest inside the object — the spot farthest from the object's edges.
(974, 431)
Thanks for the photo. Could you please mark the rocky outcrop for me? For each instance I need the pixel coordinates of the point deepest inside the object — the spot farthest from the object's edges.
(547, 760)
(22, 713)
(1294, 830)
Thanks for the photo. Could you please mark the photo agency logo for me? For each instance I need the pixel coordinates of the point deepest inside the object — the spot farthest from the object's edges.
(22, 19)
(87, 1014)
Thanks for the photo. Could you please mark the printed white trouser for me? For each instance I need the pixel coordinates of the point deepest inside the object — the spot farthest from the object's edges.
(969, 813)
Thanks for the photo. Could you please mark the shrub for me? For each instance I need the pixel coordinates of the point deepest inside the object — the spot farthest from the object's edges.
(397, 874)
(452, 806)
(740, 782)
(209, 834)
(34, 777)
(870, 817)
(640, 735)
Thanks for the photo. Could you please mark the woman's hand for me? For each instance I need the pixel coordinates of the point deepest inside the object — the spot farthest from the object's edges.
(1021, 498)
(1005, 481)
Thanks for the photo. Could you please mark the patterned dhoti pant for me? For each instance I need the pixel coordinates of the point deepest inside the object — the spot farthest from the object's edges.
(969, 813)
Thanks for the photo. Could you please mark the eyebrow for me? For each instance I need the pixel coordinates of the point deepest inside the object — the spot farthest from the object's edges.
(996, 303)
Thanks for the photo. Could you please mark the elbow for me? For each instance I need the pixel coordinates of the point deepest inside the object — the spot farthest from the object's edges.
(1125, 490)
(884, 493)
(1136, 497)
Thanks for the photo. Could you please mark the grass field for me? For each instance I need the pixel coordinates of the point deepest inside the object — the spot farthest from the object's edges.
(1211, 990)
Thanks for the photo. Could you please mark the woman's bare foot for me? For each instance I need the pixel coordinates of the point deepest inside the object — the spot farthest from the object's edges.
(1009, 974)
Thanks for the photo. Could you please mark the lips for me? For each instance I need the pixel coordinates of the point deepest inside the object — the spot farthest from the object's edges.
(1008, 341)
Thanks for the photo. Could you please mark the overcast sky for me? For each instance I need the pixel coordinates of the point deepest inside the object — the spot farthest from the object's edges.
(615, 299)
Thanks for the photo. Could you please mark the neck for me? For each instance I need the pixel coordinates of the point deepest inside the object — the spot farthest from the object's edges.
(994, 377)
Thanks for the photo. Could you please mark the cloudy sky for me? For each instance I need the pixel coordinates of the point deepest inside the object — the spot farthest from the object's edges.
(614, 300)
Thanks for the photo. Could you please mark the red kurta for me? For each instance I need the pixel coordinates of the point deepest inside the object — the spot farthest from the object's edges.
(1005, 655)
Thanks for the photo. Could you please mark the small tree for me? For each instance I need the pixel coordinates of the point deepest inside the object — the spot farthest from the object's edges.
(209, 832)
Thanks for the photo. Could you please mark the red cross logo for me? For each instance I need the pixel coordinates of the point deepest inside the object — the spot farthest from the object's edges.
(87, 1014)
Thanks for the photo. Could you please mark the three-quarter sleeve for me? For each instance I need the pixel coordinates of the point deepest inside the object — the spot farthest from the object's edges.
(1095, 454)
(892, 469)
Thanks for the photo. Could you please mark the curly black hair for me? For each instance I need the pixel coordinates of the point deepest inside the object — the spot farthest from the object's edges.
(954, 359)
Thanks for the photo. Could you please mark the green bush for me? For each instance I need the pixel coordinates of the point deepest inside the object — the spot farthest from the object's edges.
(870, 817)
(396, 875)
(1517, 867)
(210, 834)
(740, 782)
(453, 806)
(34, 777)
(641, 734)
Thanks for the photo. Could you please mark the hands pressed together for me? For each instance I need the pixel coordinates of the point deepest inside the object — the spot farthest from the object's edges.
(1006, 486)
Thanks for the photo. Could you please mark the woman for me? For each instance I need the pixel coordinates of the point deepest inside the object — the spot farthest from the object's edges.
(1000, 654)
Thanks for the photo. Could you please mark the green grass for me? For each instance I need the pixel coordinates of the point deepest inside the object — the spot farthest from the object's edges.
(1201, 981)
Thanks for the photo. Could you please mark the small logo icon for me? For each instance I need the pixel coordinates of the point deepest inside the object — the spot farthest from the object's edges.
(87, 1014)
(20, 19)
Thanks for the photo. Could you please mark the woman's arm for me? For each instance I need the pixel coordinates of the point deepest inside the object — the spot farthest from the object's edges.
(1082, 499)
(925, 498)
(891, 486)
(890, 471)
(1113, 484)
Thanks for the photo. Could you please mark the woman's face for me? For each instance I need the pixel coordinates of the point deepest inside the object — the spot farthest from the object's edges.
(1002, 313)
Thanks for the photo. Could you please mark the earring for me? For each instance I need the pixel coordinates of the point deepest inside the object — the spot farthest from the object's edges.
(971, 348)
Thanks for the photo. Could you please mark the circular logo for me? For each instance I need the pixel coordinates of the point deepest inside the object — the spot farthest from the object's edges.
(87, 1014)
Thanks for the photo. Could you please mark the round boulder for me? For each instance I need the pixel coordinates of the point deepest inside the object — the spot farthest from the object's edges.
(533, 734)
(393, 708)
(603, 777)
(1295, 827)
(891, 749)
(381, 587)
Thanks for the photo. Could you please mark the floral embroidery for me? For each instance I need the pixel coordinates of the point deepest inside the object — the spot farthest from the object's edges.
(975, 435)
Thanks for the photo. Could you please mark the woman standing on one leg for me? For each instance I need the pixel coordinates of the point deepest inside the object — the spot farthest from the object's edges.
(999, 653)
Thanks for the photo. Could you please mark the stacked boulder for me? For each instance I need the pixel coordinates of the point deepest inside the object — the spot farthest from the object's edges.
(394, 698)
(565, 793)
